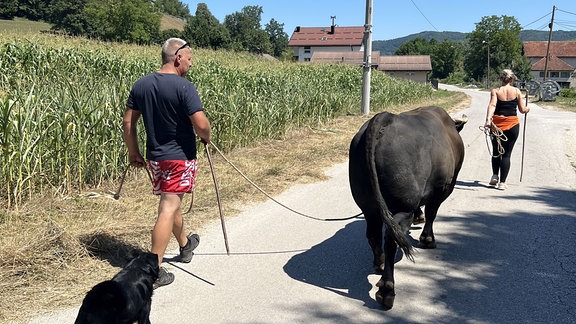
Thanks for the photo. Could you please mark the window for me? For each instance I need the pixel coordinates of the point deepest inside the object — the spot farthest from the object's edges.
(554, 74)
(306, 49)
(565, 75)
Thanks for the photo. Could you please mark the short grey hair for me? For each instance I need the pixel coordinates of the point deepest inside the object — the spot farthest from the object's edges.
(507, 76)
(170, 47)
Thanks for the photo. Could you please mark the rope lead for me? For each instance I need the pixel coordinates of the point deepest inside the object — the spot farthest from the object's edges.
(274, 200)
(494, 132)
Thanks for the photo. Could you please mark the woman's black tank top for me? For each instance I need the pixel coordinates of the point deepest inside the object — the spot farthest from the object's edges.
(506, 108)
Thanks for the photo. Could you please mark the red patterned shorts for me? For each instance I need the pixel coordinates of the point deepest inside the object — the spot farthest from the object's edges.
(173, 176)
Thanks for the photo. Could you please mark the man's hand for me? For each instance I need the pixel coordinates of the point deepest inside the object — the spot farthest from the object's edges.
(137, 160)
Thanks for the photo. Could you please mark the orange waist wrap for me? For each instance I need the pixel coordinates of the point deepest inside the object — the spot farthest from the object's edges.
(505, 122)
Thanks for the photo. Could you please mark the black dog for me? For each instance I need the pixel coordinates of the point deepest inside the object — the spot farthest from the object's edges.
(126, 298)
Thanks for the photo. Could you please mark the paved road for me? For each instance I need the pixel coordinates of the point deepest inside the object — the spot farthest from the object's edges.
(502, 256)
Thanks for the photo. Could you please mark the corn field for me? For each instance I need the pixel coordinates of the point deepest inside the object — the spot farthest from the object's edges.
(62, 101)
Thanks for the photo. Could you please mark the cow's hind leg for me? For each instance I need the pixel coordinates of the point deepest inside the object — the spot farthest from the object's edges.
(374, 225)
(427, 239)
(386, 294)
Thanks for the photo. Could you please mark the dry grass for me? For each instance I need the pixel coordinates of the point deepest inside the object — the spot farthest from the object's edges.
(22, 25)
(53, 250)
(171, 22)
(565, 104)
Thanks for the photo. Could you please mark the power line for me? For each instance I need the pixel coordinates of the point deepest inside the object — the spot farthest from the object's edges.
(568, 12)
(570, 25)
(535, 21)
(423, 15)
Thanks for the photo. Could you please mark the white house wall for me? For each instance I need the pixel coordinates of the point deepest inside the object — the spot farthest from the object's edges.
(304, 55)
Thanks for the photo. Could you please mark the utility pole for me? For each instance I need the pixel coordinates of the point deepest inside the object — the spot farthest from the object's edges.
(548, 49)
(488, 70)
(367, 59)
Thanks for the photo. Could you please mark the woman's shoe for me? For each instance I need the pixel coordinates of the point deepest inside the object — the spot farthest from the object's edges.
(493, 180)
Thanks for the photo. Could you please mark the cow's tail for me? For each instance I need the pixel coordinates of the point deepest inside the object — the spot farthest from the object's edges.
(373, 134)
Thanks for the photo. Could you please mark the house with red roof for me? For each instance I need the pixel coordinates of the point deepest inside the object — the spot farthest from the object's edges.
(345, 45)
(561, 63)
(305, 41)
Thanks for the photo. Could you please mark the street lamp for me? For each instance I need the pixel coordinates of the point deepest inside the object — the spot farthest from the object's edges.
(488, 70)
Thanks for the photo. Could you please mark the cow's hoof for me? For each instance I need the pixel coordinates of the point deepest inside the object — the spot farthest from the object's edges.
(419, 220)
(385, 298)
(427, 242)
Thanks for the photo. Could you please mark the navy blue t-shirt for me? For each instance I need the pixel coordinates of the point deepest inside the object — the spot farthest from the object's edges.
(166, 101)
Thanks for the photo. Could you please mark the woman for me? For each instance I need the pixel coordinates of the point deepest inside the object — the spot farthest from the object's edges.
(502, 119)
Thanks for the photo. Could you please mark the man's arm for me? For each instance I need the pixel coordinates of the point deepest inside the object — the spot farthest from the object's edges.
(201, 126)
(130, 135)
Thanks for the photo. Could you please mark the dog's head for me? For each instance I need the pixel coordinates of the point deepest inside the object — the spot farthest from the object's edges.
(146, 262)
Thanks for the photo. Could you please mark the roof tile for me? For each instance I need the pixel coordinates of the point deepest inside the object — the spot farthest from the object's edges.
(559, 49)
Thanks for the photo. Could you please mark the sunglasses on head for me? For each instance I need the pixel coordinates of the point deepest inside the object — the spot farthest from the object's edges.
(181, 47)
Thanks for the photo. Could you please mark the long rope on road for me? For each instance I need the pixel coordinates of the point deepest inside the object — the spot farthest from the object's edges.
(272, 198)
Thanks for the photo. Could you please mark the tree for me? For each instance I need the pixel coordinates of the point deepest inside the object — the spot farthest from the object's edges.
(8, 9)
(68, 16)
(417, 46)
(174, 8)
(246, 32)
(204, 30)
(496, 39)
(278, 38)
(30, 9)
(445, 56)
(136, 21)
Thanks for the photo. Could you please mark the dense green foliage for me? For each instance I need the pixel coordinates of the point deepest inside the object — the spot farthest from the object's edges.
(138, 21)
(460, 57)
(203, 30)
(173, 7)
(61, 105)
(134, 21)
(495, 43)
(446, 56)
(568, 93)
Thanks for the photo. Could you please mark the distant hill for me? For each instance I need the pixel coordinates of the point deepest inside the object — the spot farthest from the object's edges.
(389, 47)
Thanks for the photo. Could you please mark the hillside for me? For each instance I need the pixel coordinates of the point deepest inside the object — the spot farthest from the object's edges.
(25, 25)
(389, 47)
(171, 22)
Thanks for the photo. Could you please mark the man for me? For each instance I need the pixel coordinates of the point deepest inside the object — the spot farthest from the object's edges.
(173, 116)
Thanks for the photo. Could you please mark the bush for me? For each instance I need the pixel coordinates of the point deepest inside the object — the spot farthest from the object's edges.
(568, 93)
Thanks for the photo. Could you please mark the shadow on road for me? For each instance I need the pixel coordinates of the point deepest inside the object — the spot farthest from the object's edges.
(495, 268)
(340, 264)
(108, 247)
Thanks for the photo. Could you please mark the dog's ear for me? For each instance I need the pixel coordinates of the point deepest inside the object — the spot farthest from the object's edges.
(152, 259)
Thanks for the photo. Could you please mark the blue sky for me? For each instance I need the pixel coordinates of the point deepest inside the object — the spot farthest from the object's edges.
(399, 18)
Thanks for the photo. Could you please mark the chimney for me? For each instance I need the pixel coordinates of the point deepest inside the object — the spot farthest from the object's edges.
(333, 27)
(297, 29)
